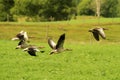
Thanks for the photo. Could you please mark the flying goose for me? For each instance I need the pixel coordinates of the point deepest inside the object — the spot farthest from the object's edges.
(22, 44)
(56, 48)
(31, 50)
(98, 31)
(22, 35)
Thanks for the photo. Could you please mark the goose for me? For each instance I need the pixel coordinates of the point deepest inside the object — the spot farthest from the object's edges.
(32, 50)
(22, 35)
(56, 48)
(98, 31)
(22, 44)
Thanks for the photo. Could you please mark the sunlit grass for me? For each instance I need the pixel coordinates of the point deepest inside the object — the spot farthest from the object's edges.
(77, 29)
(85, 62)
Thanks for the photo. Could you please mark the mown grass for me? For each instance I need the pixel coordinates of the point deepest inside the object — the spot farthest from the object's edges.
(89, 60)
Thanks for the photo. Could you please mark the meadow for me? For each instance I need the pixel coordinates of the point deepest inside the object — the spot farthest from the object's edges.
(88, 60)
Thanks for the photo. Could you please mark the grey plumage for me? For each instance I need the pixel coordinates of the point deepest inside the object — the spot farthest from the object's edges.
(98, 32)
(32, 50)
(22, 35)
(56, 48)
(22, 44)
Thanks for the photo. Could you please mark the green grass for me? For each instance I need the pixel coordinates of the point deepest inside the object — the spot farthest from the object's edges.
(85, 62)
(89, 60)
(78, 29)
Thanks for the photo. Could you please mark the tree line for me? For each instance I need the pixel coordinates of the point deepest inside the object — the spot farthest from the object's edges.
(48, 10)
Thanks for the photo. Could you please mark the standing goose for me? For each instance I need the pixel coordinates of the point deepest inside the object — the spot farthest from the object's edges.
(59, 46)
(22, 35)
(98, 31)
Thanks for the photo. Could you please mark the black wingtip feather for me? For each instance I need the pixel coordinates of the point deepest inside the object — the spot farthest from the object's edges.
(60, 41)
(32, 53)
(62, 36)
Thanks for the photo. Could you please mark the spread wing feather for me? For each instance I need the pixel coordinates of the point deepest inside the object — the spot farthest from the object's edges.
(60, 41)
(51, 43)
(101, 32)
(96, 36)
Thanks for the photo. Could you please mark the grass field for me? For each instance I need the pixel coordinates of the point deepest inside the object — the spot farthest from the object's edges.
(89, 60)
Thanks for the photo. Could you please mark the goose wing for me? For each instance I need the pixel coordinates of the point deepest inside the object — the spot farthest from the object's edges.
(51, 43)
(96, 35)
(22, 44)
(101, 33)
(32, 50)
(21, 32)
(15, 38)
(32, 53)
(60, 41)
(25, 36)
(20, 36)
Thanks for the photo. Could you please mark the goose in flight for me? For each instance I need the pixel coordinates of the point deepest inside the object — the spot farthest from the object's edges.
(22, 44)
(56, 48)
(32, 50)
(22, 35)
(98, 32)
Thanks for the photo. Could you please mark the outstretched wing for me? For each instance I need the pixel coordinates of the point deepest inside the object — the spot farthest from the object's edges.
(20, 36)
(15, 38)
(101, 32)
(31, 50)
(60, 41)
(25, 36)
(51, 43)
(96, 35)
(32, 53)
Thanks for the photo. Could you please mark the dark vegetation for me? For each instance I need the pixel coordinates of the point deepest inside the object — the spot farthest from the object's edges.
(49, 10)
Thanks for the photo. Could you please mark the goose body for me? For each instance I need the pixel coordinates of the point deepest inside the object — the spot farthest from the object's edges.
(98, 32)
